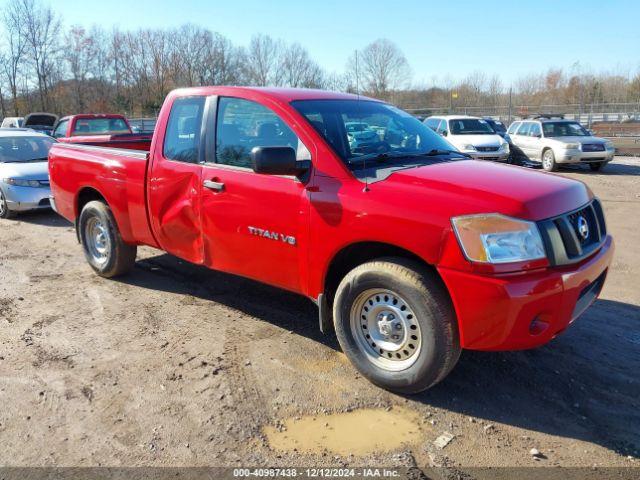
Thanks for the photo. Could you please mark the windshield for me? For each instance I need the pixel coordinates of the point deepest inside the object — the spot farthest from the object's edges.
(564, 129)
(24, 149)
(470, 126)
(100, 126)
(362, 129)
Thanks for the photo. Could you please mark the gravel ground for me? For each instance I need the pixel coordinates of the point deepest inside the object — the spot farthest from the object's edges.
(176, 365)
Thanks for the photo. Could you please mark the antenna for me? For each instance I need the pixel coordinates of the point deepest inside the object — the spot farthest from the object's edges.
(364, 163)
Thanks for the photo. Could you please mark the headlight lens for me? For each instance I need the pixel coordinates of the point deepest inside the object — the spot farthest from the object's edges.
(504, 147)
(21, 183)
(494, 238)
(609, 145)
(468, 147)
(571, 146)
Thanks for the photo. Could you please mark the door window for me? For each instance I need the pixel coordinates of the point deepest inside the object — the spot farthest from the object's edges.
(524, 129)
(61, 129)
(513, 127)
(535, 130)
(442, 127)
(243, 125)
(182, 138)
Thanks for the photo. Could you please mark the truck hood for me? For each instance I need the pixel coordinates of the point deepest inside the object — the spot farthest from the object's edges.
(578, 139)
(476, 186)
(476, 140)
(25, 171)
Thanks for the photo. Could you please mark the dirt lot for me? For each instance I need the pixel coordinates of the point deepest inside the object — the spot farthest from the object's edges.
(176, 365)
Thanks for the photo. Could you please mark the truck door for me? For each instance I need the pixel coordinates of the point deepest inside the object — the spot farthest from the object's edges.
(253, 225)
(174, 182)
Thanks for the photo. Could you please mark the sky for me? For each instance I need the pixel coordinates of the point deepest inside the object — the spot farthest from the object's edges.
(441, 40)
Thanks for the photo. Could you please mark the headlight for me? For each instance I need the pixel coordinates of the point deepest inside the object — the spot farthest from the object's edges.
(21, 183)
(609, 145)
(468, 147)
(494, 238)
(570, 146)
(505, 147)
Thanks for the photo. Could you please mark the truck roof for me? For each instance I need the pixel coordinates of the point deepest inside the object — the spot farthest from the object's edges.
(93, 115)
(282, 94)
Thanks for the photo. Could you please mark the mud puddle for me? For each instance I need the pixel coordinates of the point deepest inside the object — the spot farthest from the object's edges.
(359, 432)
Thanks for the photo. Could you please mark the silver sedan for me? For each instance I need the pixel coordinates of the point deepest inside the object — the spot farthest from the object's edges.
(24, 171)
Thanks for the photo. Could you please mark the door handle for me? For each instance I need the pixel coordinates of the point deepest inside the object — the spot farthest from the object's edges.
(215, 186)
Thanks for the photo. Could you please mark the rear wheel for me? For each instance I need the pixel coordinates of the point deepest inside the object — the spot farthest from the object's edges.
(103, 246)
(395, 322)
(4, 207)
(597, 166)
(549, 161)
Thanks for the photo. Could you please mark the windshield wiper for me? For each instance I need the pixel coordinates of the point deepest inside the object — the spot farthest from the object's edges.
(383, 157)
(39, 159)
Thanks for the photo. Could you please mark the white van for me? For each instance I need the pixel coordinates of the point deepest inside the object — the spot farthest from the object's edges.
(471, 135)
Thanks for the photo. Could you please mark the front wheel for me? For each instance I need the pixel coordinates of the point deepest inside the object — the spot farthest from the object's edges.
(4, 207)
(549, 160)
(103, 246)
(395, 322)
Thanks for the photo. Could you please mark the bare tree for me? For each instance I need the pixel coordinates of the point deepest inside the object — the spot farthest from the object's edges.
(40, 29)
(298, 70)
(12, 60)
(380, 67)
(79, 55)
(263, 61)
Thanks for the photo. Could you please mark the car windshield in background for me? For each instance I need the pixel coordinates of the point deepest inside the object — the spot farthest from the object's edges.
(564, 129)
(358, 130)
(24, 149)
(470, 126)
(100, 126)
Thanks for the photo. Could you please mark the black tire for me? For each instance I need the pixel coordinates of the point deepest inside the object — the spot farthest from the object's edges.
(426, 297)
(4, 208)
(117, 256)
(597, 166)
(549, 160)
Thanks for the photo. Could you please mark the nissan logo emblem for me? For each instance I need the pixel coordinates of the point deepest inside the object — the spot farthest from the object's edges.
(583, 227)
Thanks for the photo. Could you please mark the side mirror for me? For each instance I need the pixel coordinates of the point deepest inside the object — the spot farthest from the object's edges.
(538, 135)
(277, 161)
(445, 133)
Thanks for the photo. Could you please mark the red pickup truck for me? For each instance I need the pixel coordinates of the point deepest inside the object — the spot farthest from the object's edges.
(103, 130)
(411, 250)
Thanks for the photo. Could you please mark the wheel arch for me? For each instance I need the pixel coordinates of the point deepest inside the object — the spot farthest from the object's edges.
(354, 254)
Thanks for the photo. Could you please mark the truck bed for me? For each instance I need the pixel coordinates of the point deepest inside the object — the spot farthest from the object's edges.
(79, 172)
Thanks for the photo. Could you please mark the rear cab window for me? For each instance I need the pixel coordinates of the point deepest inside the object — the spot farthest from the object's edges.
(100, 126)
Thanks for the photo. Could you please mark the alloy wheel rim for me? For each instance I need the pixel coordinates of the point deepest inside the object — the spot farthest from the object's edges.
(547, 159)
(2, 204)
(386, 329)
(97, 240)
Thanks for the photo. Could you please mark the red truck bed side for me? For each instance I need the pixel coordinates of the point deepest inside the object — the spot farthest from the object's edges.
(116, 175)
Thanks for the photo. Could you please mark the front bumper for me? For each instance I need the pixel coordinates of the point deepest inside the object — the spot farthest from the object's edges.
(524, 310)
(498, 156)
(578, 156)
(20, 199)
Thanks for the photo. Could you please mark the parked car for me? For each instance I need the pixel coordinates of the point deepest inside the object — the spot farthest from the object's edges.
(40, 122)
(555, 141)
(361, 135)
(12, 122)
(24, 176)
(498, 127)
(411, 252)
(471, 135)
(142, 125)
(105, 130)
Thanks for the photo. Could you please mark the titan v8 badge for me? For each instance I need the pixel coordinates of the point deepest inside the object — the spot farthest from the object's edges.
(272, 235)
